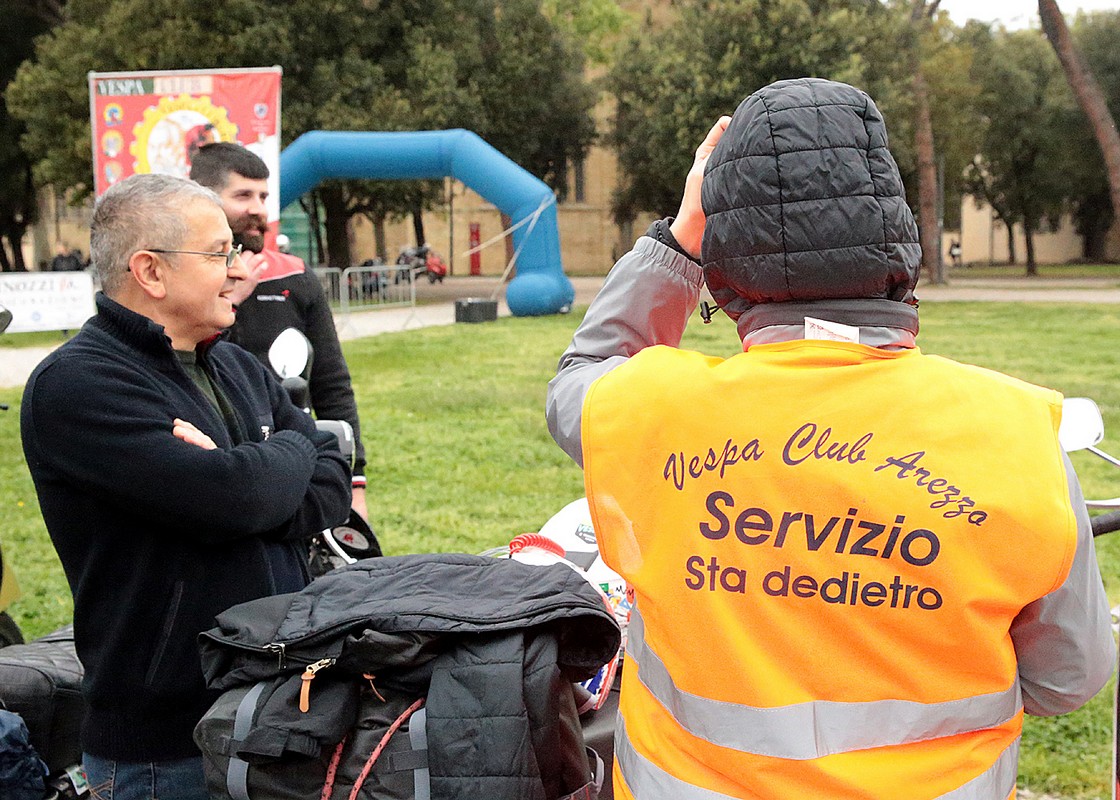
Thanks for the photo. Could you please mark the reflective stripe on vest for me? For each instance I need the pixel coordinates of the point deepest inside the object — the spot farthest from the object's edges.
(647, 781)
(815, 729)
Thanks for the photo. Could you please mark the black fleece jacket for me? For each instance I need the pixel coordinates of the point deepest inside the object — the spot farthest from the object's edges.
(158, 536)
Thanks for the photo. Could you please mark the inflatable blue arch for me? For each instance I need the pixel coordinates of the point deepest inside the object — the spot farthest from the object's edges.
(540, 286)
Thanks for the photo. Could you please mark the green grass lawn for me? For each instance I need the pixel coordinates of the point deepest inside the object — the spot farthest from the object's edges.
(1045, 271)
(460, 459)
(34, 339)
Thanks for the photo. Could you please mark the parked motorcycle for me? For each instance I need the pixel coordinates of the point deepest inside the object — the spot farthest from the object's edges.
(568, 537)
(290, 356)
(420, 260)
(1082, 428)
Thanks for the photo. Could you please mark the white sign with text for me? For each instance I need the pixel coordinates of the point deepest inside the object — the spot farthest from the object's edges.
(47, 301)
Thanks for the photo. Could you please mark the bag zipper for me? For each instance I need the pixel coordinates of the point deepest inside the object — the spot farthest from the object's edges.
(278, 648)
(305, 682)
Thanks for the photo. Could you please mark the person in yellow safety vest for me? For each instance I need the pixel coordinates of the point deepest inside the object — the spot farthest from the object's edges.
(855, 565)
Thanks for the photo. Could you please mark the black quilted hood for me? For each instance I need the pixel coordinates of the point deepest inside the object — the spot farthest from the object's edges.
(804, 202)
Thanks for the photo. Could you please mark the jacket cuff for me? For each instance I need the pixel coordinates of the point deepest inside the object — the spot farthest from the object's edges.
(659, 232)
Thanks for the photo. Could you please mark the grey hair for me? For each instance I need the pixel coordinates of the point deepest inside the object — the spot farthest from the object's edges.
(139, 212)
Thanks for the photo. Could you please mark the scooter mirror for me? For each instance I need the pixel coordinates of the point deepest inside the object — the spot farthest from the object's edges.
(345, 433)
(1082, 425)
(5, 319)
(289, 353)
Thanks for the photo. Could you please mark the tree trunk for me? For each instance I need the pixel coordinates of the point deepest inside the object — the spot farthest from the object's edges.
(927, 182)
(507, 223)
(625, 240)
(1011, 245)
(5, 264)
(1088, 93)
(310, 205)
(338, 233)
(52, 12)
(1032, 266)
(1092, 244)
(418, 223)
(14, 236)
(928, 227)
(380, 249)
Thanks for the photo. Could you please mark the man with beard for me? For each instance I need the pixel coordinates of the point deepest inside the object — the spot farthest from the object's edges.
(175, 478)
(280, 292)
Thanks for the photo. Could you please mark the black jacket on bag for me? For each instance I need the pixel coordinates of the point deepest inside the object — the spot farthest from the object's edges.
(158, 536)
(493, 644)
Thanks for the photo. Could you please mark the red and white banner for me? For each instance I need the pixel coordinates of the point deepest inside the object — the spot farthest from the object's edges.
(154, 121)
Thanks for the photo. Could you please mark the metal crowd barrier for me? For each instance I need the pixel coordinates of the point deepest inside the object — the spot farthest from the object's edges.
(361, 288)
(331, 280)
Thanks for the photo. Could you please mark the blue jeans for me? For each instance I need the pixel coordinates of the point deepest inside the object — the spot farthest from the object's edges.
(129, 780)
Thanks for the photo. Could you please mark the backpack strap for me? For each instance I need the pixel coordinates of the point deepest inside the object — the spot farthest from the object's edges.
(237, 773)
(328, 787)
(414, 760)
(418, 738)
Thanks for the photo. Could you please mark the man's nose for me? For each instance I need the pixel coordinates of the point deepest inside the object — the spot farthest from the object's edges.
(237, 270)
(257, 206)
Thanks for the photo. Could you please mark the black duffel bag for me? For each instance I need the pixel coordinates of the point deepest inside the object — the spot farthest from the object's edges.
(42, 682)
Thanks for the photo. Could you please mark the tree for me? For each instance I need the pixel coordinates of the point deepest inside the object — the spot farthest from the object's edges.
(1087, 91)
(501, 69)
(358, 70)
(530, 72)
(1018, 169)
(18, 200)
(672, 82)
(956, 124)
(933, 146)
(929, 233)
(1086, 184)
(497, 67)
(50, 95)
(44, 12)
(593, 25)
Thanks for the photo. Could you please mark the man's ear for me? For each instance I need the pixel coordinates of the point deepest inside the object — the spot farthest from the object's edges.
(148, 271)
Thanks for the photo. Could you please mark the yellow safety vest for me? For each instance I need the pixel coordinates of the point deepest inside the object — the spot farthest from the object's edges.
(827, 544)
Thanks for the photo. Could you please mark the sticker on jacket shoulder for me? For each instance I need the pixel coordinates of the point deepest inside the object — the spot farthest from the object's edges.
(272, 298)
(830, 331)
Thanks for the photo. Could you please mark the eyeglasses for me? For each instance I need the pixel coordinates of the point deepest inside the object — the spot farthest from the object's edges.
(230, 257)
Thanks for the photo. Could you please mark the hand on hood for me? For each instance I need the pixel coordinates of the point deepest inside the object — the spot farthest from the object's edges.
(688, 227)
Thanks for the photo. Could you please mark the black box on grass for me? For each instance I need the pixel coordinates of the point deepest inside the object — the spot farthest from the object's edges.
(476, 309)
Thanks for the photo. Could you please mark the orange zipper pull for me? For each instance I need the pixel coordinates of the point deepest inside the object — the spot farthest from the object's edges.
(307, 676)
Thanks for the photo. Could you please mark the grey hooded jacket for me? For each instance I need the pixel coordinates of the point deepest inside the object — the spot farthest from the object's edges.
(804, 202)
(765, 279)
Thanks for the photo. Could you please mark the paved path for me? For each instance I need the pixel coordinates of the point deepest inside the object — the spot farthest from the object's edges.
(1025, 290)
(437, 307)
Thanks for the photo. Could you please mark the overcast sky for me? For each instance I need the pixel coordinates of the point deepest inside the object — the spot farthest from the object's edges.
(1017, 13)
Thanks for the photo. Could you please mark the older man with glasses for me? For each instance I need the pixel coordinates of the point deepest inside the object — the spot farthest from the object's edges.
(175, 478)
